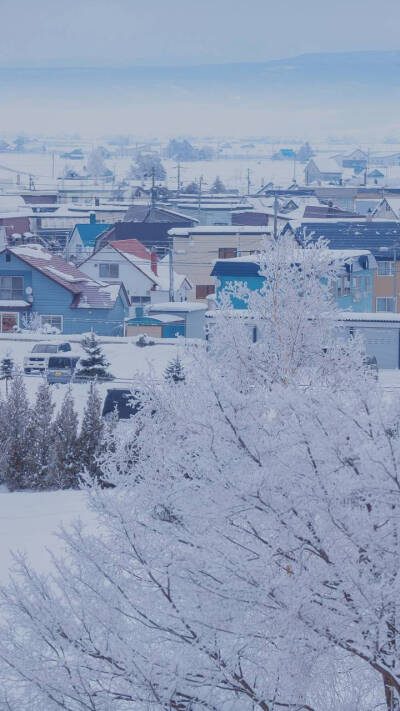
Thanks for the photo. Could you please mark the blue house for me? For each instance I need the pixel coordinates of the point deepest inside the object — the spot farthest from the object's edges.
(156, 325)
(169, 319)
(83, 237)
(353, 288)
(36, 281)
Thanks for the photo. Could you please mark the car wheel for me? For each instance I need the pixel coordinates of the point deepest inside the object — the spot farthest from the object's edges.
(27, 370)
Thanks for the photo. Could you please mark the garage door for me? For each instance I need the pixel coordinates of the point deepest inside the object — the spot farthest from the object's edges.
(383, 343)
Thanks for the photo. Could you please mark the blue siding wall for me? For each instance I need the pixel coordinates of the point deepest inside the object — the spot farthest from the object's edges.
(50, 298)
(345, 303)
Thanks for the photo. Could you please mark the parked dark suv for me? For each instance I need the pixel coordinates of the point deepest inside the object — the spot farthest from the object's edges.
(40, 354)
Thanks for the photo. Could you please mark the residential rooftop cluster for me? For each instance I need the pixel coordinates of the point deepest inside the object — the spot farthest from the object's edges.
(86, 251)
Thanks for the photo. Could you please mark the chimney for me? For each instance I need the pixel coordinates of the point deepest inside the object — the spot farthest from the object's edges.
(154, 260)
(92, 218)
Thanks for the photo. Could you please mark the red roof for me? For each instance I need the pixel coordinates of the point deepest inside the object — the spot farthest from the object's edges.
(131, 246)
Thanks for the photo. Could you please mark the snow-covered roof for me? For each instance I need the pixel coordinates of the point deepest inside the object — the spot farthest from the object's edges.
(326, 165)
(182, 306)
(13, 304)
(300, 253)
(220, 230)
(368, 316)
(163, 276)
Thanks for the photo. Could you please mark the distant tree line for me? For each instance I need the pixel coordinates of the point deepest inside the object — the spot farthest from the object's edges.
(184, 151)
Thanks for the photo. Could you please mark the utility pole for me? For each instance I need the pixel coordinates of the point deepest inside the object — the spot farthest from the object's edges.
(178, 167)
(153, 187)
(52, 164)
(395, 278)
(199, 204)
(275, 218)
(171, 271)
(248, 181)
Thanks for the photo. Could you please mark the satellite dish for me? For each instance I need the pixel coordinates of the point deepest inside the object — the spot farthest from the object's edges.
(28, 290)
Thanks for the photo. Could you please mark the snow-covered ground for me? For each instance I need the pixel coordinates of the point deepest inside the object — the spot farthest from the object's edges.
(128, 363)
(28, 521)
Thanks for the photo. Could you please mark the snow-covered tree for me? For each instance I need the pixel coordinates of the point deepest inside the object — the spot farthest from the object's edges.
(251, 541)
(175, 371)
(91, 435)
(41, 439)
(95, 163)
(145, 164)
(218, 186)
(96, 364)
(65, 465)
(15, 434)
(7, 369)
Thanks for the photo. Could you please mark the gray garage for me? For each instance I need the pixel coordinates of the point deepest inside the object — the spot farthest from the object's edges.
(381, 334)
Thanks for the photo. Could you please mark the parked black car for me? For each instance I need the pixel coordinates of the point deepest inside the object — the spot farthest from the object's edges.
(125, 402)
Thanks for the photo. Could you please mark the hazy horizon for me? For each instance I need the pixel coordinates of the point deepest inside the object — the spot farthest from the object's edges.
(185, 67)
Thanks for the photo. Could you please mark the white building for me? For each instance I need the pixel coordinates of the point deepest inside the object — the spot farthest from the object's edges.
(146, 279)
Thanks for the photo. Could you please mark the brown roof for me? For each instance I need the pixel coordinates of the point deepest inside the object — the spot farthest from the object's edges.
(87, 292)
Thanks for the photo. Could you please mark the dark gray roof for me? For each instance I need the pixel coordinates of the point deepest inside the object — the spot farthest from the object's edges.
(146, 213)
(355, 235)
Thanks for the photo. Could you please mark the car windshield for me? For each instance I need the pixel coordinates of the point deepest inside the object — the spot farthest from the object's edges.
(60, 362)
(44, 348)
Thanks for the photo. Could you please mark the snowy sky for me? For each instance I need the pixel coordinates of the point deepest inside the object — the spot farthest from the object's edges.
(130, 32)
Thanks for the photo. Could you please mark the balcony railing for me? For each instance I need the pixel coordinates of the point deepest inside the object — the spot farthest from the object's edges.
(11, 294)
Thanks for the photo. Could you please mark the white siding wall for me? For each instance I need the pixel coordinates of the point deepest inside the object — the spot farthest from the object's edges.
(136, 283)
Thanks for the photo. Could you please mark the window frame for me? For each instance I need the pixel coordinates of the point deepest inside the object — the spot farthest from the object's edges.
(222, 252)
(8, 313)
(109, 266)
(390, 268)
(44, 322)
(386, 299)
(16, 294)
(208, 289)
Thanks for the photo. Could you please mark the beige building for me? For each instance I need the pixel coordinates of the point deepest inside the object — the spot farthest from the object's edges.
(195, 250)
(387, 286)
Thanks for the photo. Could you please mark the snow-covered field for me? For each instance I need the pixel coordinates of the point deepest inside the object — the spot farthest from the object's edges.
(46, 167)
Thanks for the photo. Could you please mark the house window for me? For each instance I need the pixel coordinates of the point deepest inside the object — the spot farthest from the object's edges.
(52, 321)
(109, 271)
(227, 252)
(385, 268)
(140, 299)
(11, 288)
(346, 285)
(339, 288)
(357, 283)
(8, 322)
(203, 290)
(367, 284)
(385, 303)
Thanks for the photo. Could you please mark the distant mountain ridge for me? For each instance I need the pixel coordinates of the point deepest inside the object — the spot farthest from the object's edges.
(325, 92)
(332, 66)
